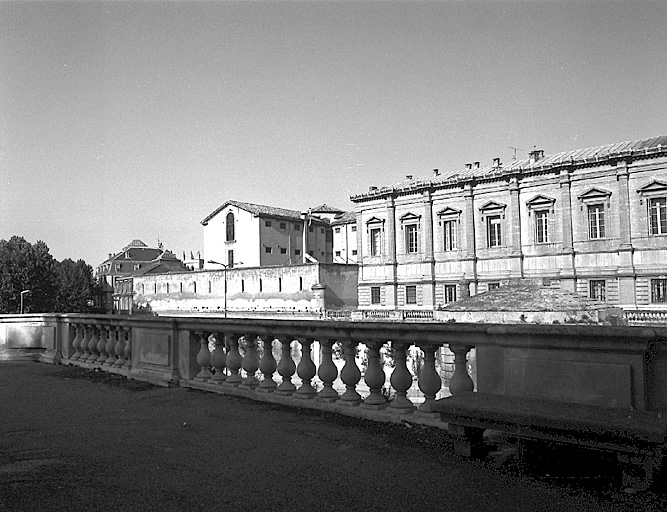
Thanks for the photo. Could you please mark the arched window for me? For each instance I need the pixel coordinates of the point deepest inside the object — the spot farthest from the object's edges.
(230, 227)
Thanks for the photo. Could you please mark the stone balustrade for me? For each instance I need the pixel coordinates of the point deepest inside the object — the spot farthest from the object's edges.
(621, 366)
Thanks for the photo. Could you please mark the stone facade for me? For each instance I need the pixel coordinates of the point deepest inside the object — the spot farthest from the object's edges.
(590, 221)
(307, 288)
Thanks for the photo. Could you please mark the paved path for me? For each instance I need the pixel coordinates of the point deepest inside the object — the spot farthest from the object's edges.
(72, 440)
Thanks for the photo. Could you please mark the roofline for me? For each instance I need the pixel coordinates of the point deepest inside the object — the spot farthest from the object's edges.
(524, 166)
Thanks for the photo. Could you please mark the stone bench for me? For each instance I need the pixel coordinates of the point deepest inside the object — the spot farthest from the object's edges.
(637, 437)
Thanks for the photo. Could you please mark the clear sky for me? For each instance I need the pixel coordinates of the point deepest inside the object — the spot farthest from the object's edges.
(123, 120)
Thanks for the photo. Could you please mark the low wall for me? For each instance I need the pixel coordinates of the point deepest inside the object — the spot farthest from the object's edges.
(614, 366)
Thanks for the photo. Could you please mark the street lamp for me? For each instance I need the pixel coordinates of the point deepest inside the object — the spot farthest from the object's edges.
(225, 267)
(23, 295)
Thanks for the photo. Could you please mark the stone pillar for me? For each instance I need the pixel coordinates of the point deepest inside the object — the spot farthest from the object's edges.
(568, 271)
(390, 260)
(286, 367)
(250, 362)
(429, 380)
(461, 381)
(306, 370)
(626, 269)
(470, 253)
(268, 365)
(515, 228)
(203, 358)
(429, 284)
(374, 378)
(219, 359)
(327, 372)
(234, 361)
(318, 301)
(350, 375)
(401, 381)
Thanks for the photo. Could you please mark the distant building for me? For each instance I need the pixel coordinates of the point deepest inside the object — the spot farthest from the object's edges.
(589, 221)
(288, 289)
(134, 259)
(344, 226)
(194, 262)
(239, 234)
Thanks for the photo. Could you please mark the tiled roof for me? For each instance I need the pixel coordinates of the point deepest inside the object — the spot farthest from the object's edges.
(325, 208)
(257, 209)
(344, 218)
(134, 243)
(526, 297)
(577, 157)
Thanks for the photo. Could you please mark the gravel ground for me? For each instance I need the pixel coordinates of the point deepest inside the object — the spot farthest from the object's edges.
(74, 439)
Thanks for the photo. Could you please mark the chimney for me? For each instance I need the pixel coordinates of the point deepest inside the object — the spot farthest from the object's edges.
(436, 172)
(476, 165)
(496, 162)
(408, 177)
(468, 166)
(536, 155)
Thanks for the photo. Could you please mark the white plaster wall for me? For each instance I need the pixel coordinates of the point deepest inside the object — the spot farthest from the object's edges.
(246, 245)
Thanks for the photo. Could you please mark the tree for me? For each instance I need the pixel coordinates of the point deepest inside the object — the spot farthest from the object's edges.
(26, 266)
(76, 287)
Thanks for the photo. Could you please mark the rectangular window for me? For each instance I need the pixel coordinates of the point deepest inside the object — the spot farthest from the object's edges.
(283, 250)
(310, 229)
(322, 231)
(242, 285)
(354, 252)
(338, 253)
(492, 286)
(337, 230)
(297, 251)
(596, 221)
(209, 287)
(376, 241)
(542, 226)
(375, 295)
(268, 250)
(268, 223)
(297, 227)
(283, 225)
(493, 230)
(450, 232)
(597, 289)
(230, 259)
(354, 228)
(260, 286)
(450, 293)
(659, 290)
(280, 284)
(411, 294)
(411, 239)
(658, 216)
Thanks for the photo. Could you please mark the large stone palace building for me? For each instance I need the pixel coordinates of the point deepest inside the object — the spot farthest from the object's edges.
(591, 221)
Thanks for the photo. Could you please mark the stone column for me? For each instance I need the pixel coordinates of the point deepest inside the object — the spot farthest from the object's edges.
(568, 271)
(203, 358)
(470, 254)
(626, 270)
(429, 261)
(350, 375)
(515, 228)
(327, 372)
(390, 259)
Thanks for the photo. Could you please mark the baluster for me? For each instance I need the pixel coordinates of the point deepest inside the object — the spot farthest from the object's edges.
(102, 345)
(286, 367)
(76, 342)
(219, 359)
(306, 370)
(327, 373)
(111, 347)
(350, 375)
(268, 365)
(87, 332)
(203, 358)
(234, 361)
(250, 361)
(429, 380)
(119, 349)
(401, 380)
(374, 378)
(461, 381)
(92, 344)
(128, 349)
